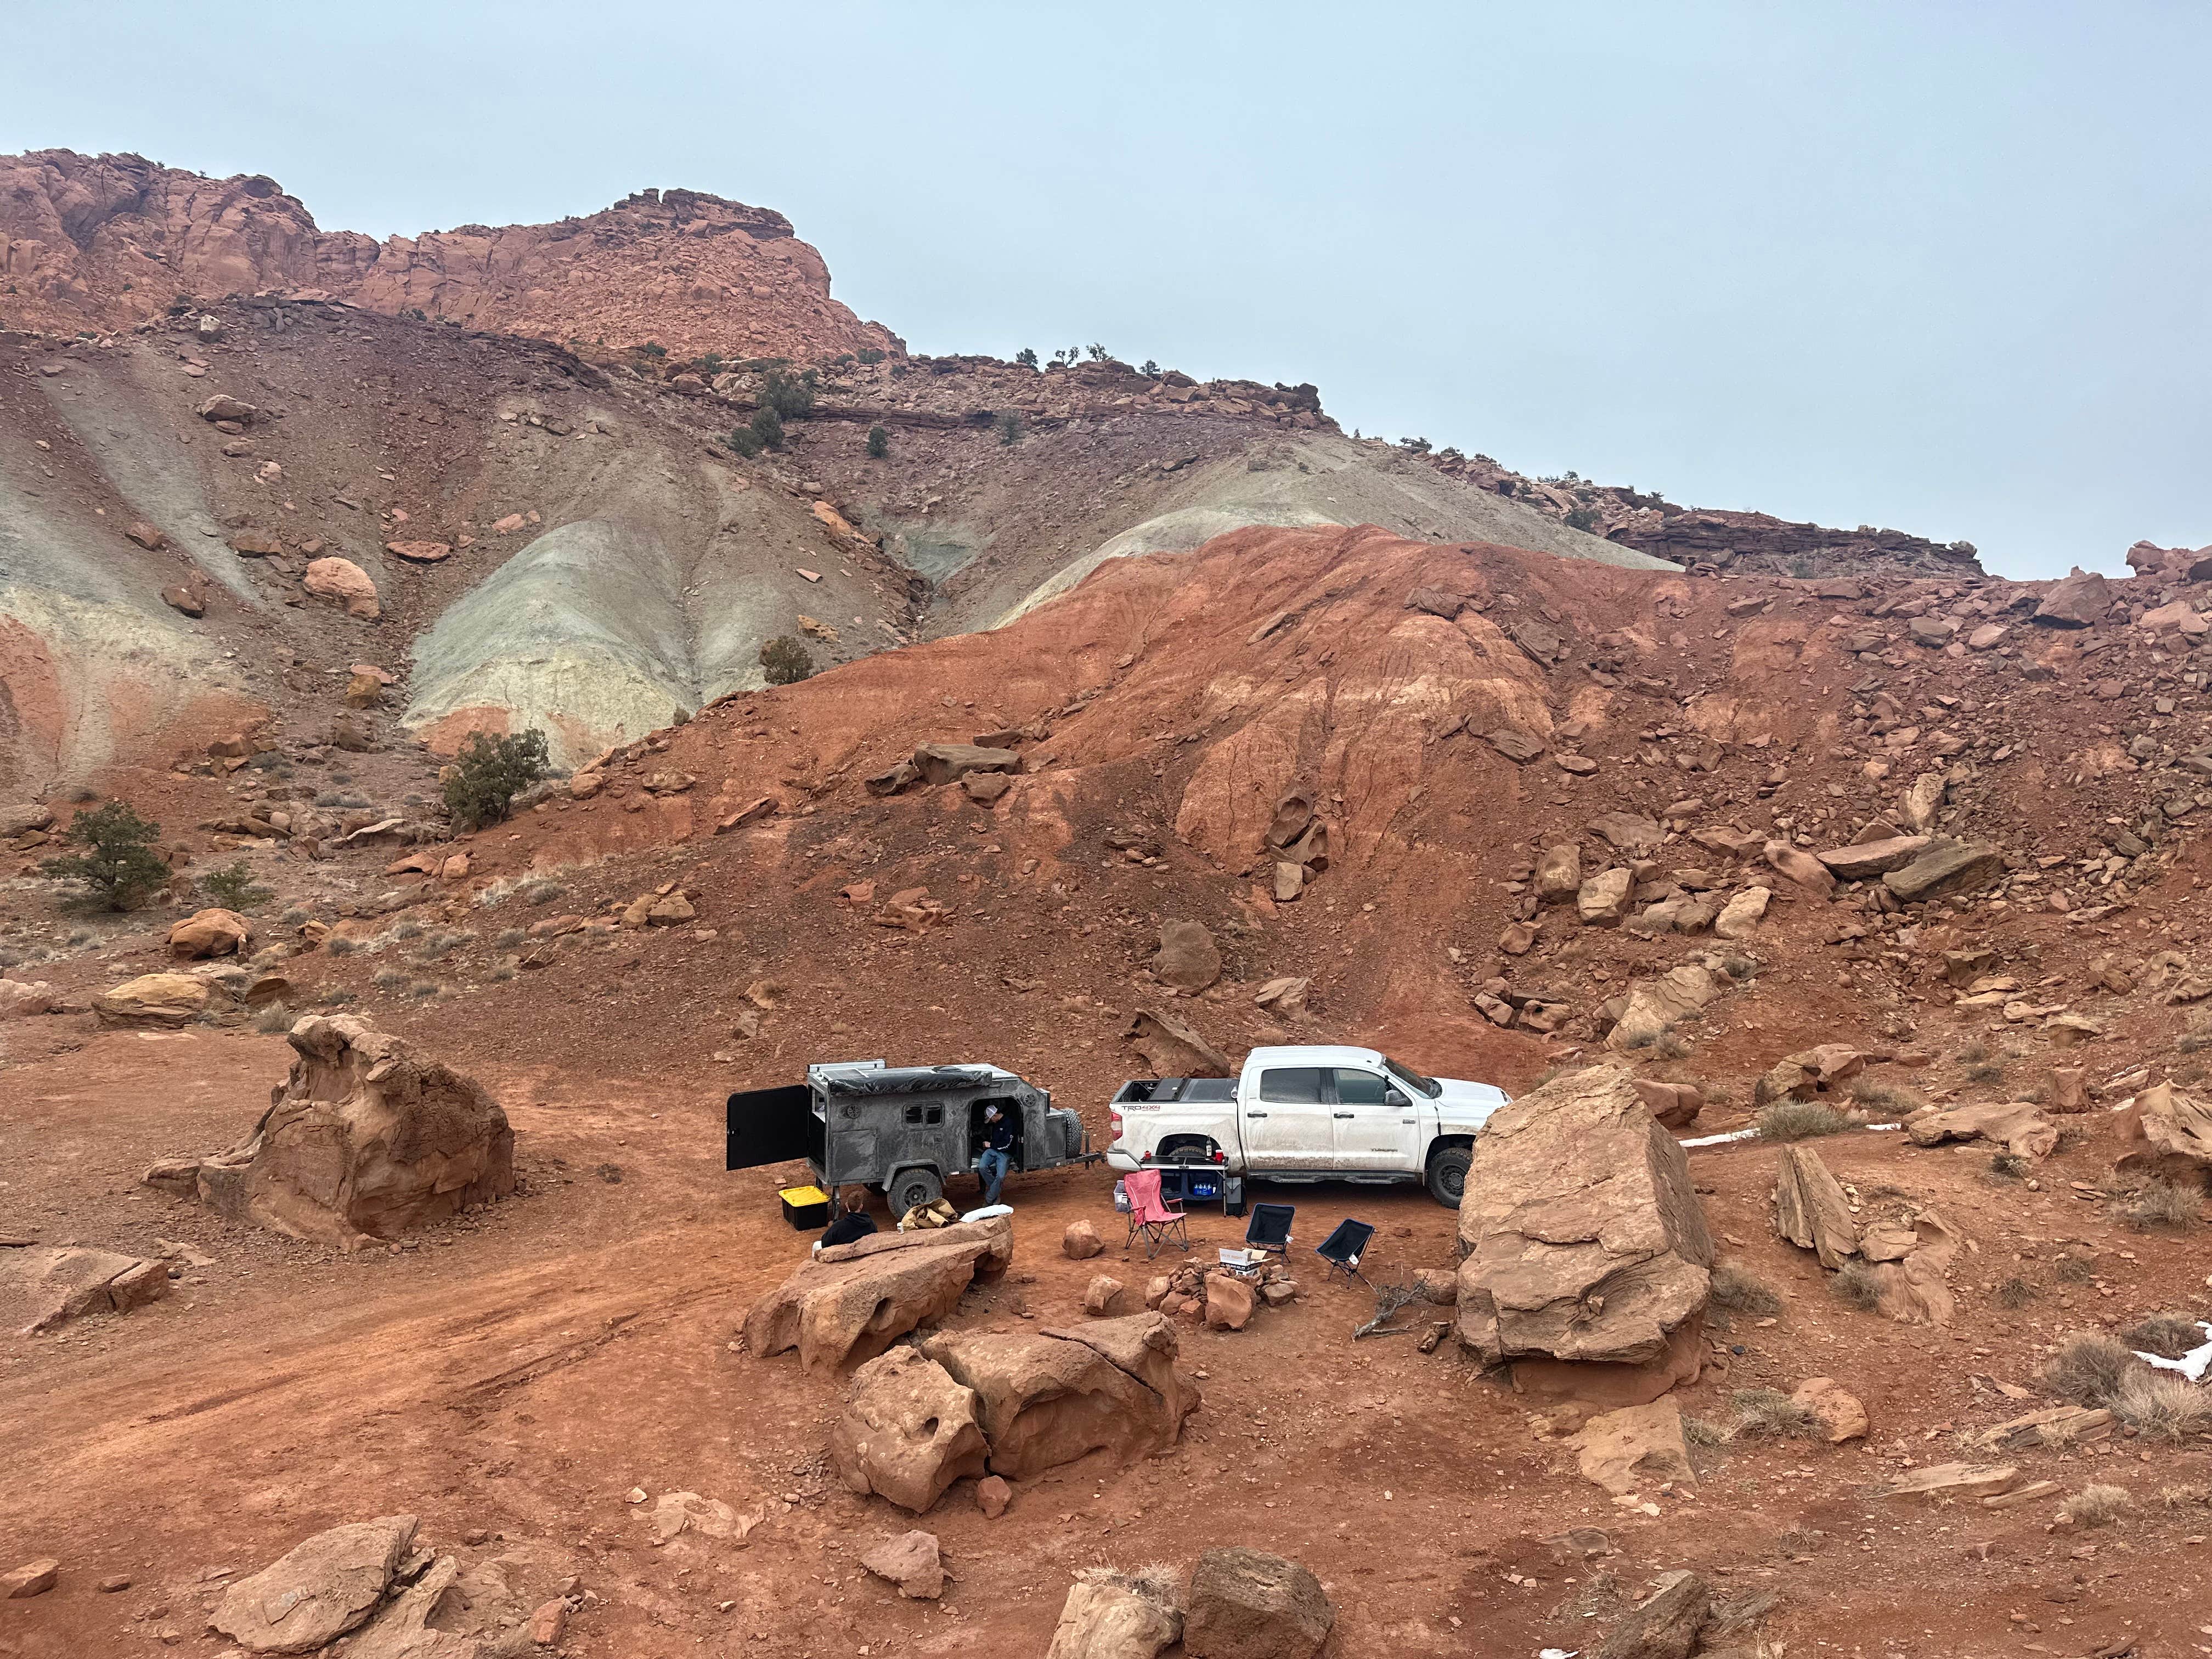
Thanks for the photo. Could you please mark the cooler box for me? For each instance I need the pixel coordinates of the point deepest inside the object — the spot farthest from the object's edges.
(806, 1207)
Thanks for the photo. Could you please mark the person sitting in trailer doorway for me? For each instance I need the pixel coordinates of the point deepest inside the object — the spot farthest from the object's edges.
(853, 1222)
(998, 1152)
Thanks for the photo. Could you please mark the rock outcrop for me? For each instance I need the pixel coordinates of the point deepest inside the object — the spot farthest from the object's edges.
(1810, 1209)
(319, 1590)
(155, 999)
(2166, 1133)
(1246, 1604)
(1102, 1618)
(42, 1289)
(362, 1139)
(1583, 1239)
(210, 933)
(1049, 1397)
(908, 1431)
(852, 1301)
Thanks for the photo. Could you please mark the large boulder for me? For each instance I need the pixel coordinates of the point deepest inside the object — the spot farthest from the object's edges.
(1812, 1071)
(1188, 958)
(215, 933)
(948, 763)
(1582, 1235)
(1795, 864)
(2018, 1125)
(1656, 1005)
(155, 999)
(853, 1300)
(1115, 1618)
(2166, 1133)
(1173, 1048)
(1866, 859)
(1049, 1397)
(19, 996)
(1810, 1209)
(908, 1431)
(319, 1590)
(1559, 874)
(333, 578)
(1602, 901)
(362, 1139)
(1633, 1447)
(1246, 1604)
(42, 1289)
(2079, 601)
(1946, 866)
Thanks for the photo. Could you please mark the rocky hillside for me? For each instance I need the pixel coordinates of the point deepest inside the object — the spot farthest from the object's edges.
(103, 242)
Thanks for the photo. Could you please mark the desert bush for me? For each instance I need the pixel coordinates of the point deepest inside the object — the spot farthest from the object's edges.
(119, 862)
(543, 892)
(1855, 1285)
(1800, 1120)
(2162, 1405)
(406, 928)
(1884, 1098)
(2168, 1335)
(272, 1019)
(2158, 1203)
(2088, 1368)
(788, 397)
(786, 660)
(1972, 1053)
(507, 937)
(1770, 1412)
(2070, 1269)
(1740, 1292)
(343, 947)
(1739, 967)
(490, 772)
(292, 917)
(1026, 358)
(1986, 1074)
(2015, 1293)
(767, 427)
(425, 987)
(1009, 425)
(1699, 1432)
(235, 888)
(871, 355)
(879, 443)
(742, 439)
(2008, 1166)
(2096, 1505)
(388, 979)
(340, 997)
(503, 973)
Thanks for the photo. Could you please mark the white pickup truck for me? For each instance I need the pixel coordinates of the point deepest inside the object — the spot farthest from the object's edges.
(1305, 1114)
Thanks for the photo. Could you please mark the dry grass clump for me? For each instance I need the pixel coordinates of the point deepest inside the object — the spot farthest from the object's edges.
(1972, 1053)
(272, 1019)
(1770, 1412)
(1800, 1120)
(1986, 1074)
(1699, 1432)
(2074, 1270)
(2161, 1406)
(2015, 1293)
(2096, 1505)
(542, 891)
(388, 979)
(2089, 1368)
(1157, 1581)
(2010, 1166)
(1856, 1284)
(1874, 1097)
(343, 947)
(1741, 1292)
(2168, 1335)
(2158, 1203)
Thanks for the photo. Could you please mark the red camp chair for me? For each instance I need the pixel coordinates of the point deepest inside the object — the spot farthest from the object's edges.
(1150, 1215)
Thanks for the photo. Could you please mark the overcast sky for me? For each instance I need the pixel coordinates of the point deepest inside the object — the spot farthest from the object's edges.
(1941, 268)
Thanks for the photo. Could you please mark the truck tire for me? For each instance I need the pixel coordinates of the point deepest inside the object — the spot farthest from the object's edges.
(1448, 1175)
(910, 1188)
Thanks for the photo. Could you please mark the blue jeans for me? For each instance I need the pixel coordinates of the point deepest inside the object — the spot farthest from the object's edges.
(993, 1167)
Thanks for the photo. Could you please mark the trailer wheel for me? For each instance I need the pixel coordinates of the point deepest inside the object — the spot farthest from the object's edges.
(1448, 1175)
(911, 1188)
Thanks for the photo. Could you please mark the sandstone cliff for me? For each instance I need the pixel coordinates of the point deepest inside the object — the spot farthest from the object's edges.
(103, 242)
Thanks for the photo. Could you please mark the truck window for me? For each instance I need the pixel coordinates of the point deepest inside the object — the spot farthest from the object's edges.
(1358, 1088)
(1412, 1079)
(1291, 1086)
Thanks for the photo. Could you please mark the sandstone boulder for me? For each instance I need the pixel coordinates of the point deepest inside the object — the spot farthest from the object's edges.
(1602, 901)
(1666, 1625)
(1559, 874)
(210, 933)
(1246, 1604)
(2166, 1133)
(1865, 860)
(1814, 1071)
(1656, 1004)
(948, 763)
(333, 578)
(851, 1301)
(1103, 1619)
(1228, 1302)
(2017, 1125)
(1049, 1397)
(1946, 866)
(153, 999)
(1629, 832)
(224, 407)
(908, 1431)
(36, 1578)
(1187, 957)
(1837, 1412)
(1079, 1242)
(1810, 1209)
(1800, 867)
(319, 1590)
(1637, 1446)
(1101, 1295)
(1739, 917)
(42, 1290)
(362, 1138)
(1935, 1480)
(2079, 601)
(1172, 1048)
(1676, 1105)
(1583, 1239)
(19, 996)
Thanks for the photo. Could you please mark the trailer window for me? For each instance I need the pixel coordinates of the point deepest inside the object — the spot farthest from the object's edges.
(1291, 1086)
(925, 1114)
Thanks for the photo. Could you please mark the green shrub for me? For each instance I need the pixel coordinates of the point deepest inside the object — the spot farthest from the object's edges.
(768, 428)
(1151, 371)
(651, 349)
(490, 772)
(790, 397)
(234, 889)
(119, 862)
(2089, 1369)
(745, 443)
(1026, 358)
(879, 443)
(788, 661)
(2158, 1203)
(870, 354)
(1010, 426)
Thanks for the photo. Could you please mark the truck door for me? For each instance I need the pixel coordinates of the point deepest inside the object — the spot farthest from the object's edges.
(1286, 1122)
(1376, 1122)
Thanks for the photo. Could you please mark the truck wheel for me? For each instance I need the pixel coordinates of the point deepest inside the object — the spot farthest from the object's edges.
(1448, 1175)
(910, 1188)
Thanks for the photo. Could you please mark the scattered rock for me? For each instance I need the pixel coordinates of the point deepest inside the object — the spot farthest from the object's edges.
(1739, 917)
(1955, 1481)
(1080, 1241)
(1172, 1049)
(992, 1496)
(2017, 1125)
(940, 764)
(1246, 1604)
(333, 578)
(1187, 957)
(26, 996)
(31, 1578)
(1838, 1413)
(421, 552)
(2079, 601)
(1635, 1446)
(1110, 1620)
(2165, 1132)
(1602, 901)
(1100, 1294)
(1656, 1006)
(912, 1562)
(1810, 1209)
(1228, 1302)
(153, 999)
(210, 933)
(1865, 860)
(1676, 1105)
(1666, 1625)
(1946, 866)
(42, 1290)
(1559, 874)
(1800, 867)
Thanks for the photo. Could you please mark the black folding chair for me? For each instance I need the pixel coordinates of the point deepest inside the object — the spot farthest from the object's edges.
(1269, 1229)
(1342, 1249)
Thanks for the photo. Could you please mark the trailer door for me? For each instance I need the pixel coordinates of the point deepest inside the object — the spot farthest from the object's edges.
(772, 1126)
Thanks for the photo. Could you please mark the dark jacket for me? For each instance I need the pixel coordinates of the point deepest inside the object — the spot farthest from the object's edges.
(998, 1135)
(852, 1225)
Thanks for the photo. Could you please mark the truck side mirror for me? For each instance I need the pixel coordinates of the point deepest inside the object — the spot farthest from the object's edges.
(1394, 1097)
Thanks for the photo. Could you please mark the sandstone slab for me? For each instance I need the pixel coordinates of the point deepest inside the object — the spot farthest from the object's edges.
(851, 1301)
(908, 1431)
(318, 1590)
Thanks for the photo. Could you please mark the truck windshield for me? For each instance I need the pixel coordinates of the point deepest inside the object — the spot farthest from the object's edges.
(1411, 1079)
